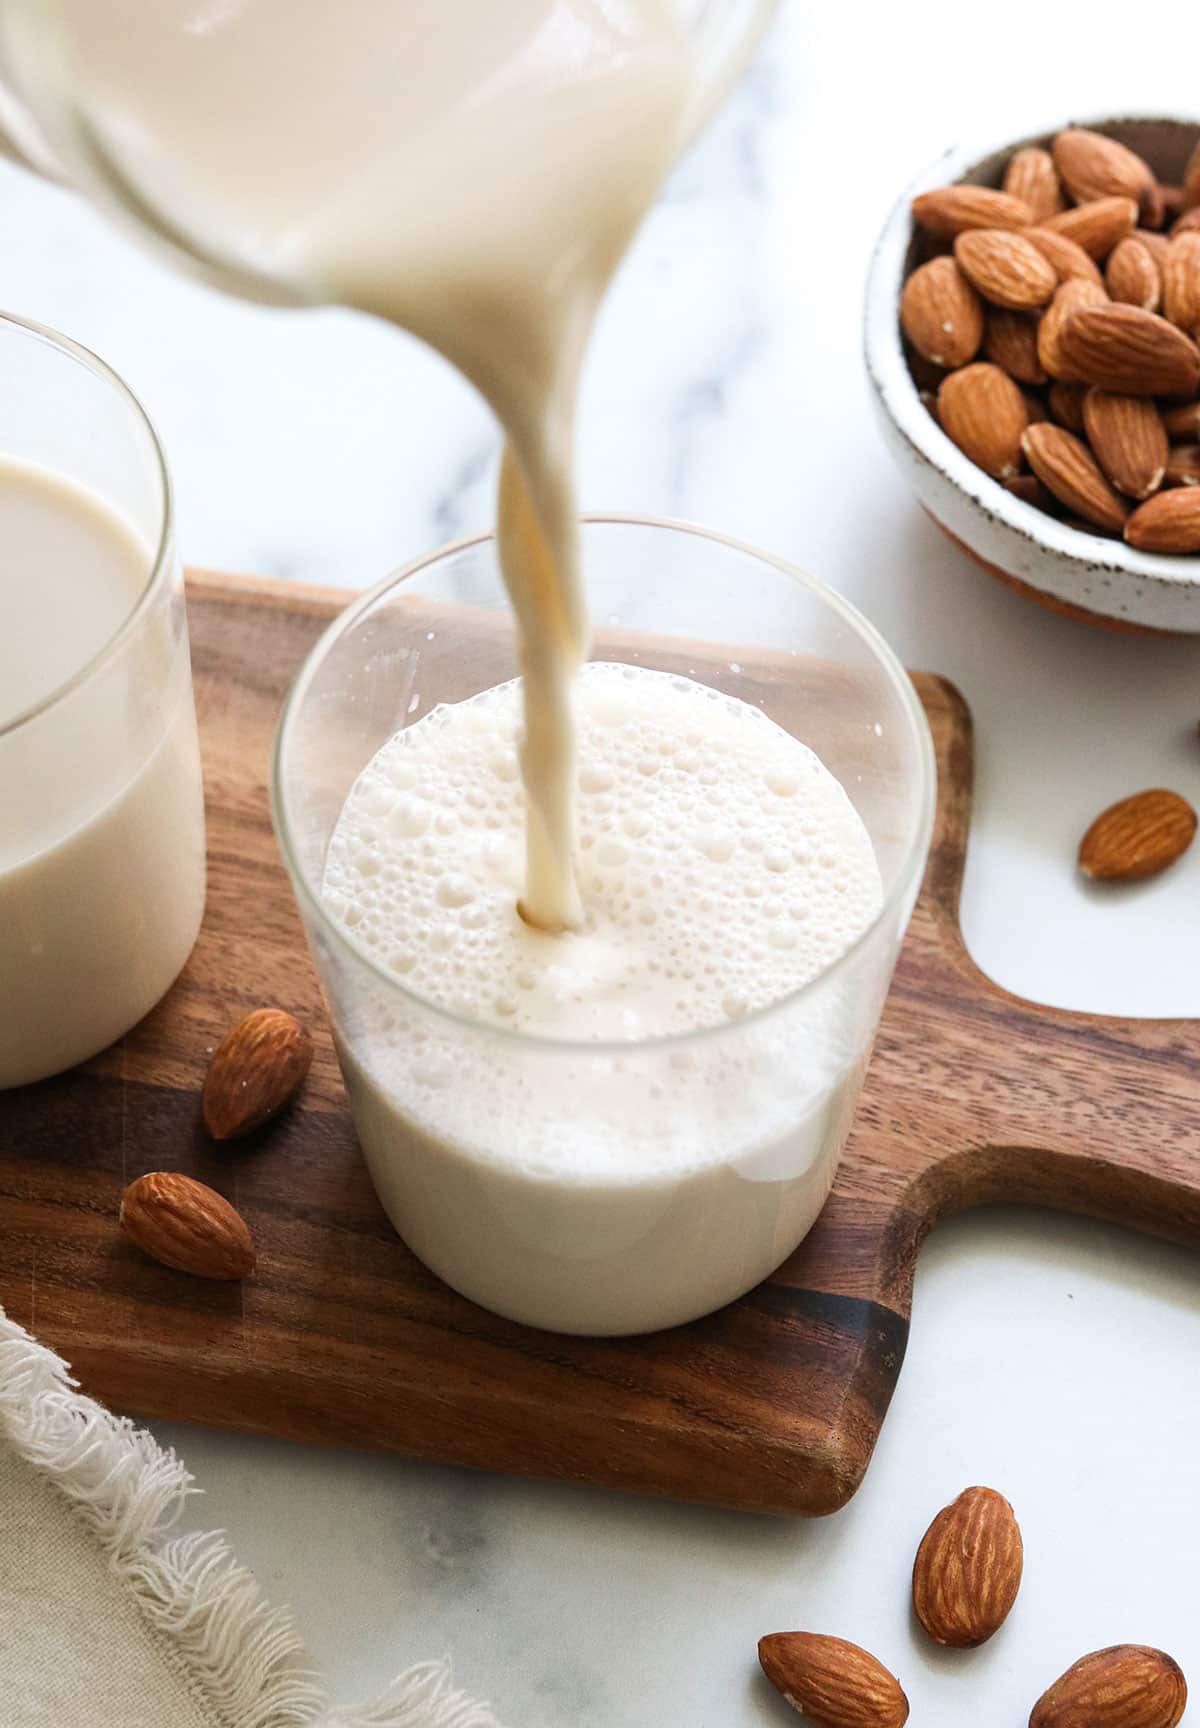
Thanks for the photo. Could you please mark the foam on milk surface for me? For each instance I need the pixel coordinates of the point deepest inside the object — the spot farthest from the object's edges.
(721, 865)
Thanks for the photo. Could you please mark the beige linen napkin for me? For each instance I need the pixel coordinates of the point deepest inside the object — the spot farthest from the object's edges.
(108, 1620)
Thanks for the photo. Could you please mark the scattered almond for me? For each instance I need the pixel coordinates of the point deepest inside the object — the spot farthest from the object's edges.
(1183, 465)
(1181, 280)
(1010, 341)
(941, 314)
(835, 1684)
(1137, 837)
(1133, 276)
(1169, 522)
(1068, 258)
(1092, 166)
(1005, 268)
(1097, 225)
(256, 1069)
(953, 209)
(185, 1224)
(1066, 404)
(1125, 349)
(1128, 440)
(1125, 1686)
(968, 1569)
(1032, 177)
(1070, 297)
(1065, 465)
(983, 412)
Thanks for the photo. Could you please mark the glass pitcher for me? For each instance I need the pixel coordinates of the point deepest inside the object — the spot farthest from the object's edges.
(67, 65)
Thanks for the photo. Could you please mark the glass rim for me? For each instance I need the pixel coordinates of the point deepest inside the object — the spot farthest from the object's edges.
(912, 864)
(160, 565)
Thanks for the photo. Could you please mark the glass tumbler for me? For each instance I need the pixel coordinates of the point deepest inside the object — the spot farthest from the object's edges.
(102, 832)
(617, 1187)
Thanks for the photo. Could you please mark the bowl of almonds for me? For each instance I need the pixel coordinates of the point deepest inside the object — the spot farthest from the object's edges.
(1033, 348)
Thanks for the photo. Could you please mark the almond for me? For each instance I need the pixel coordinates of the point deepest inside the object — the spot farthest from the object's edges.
(1092, 166)
(1128, 439)
(1029, 489)
(1181, 280)
(184, 1224)
(1069, 297)
(1096, 226)
(1133, 276)
(1066, 404)
(1183, 465)
(1005, 269)
(1035, 407)
(1032, 177)
(968, 1569)
(1010, 341)
(256, 1069)
(953, 209)
(835, 1684)
(1191, 180)
(1182, 421)
(1125, 1686)
(1152, 207)
(1187, 223)
(1168, 522)
(1155, 244)
(983, 412)
(1125, 349)
(941, 314)
(1068, 258)
(1064, 463)
(1140, 835)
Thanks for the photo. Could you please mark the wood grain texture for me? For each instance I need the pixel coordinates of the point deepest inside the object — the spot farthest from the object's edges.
(773, 1404)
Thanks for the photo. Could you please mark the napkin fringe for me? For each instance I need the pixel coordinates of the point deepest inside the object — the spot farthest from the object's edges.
(242, 1660)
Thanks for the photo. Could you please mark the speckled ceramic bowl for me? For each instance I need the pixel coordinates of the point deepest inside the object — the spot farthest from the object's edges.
(1102, 580)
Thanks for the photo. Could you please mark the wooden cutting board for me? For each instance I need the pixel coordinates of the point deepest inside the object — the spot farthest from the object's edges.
(773, 1404)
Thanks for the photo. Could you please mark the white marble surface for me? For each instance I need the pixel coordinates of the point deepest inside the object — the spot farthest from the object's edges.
(1053, 1359)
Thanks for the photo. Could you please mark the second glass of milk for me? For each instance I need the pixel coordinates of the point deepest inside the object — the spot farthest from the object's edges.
(101, 809)
(585, 1177)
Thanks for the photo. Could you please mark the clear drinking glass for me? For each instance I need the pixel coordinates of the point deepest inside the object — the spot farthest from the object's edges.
(607, 1188)
(102, 825)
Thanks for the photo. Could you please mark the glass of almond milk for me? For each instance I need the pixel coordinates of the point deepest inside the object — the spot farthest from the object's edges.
(102, 827)
(622, 1125)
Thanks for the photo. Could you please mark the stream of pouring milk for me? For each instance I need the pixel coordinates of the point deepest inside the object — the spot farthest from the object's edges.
(472, 172)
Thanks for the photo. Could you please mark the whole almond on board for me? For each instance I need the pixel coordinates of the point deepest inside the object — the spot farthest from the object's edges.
(968, 1569)
(1125, 1686)
(1096, 226)
(1128, 439)
(1181, 281)
(1183, 465)
(1066, 404)
(1125, 349)
(1137, 837)
(1069, 298)
(1182, 421)
(983, 412)
(1068, 258)
(835, 1684)
(1065, 465)
(1092, 166)
(1133, 276)
(1005, 268)
(186, 1225)
(941, 314)
(255, 1070)
(1191, 180)
(953, 209)
(1010, 341)
(1032, 177)
(1168, 522)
